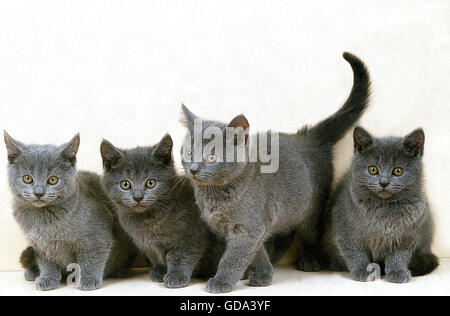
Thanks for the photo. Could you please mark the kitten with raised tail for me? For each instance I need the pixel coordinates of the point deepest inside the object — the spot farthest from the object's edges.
(66, 216)
(156, 208)
(380, 213)
(248, 207)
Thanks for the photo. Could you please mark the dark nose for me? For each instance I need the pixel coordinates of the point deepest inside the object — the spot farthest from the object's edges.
(384, 182)
(39, 191)
(195, 168)
(138, 195)
(194, 172)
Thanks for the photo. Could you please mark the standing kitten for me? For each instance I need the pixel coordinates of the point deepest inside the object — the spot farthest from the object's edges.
(157, 208)
(65, 215)
(247, 207)
(380, 212)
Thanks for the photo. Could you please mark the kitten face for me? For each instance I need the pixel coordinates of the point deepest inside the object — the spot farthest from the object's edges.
(41, 175)
(135, 179)
(388, 167)
(213, 169)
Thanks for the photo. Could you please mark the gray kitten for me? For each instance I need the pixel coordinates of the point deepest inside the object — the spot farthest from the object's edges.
(66, 217)
(157, 208)
(247, 207)
(380, 212)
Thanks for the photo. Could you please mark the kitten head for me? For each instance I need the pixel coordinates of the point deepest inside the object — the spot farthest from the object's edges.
(135, 179)
(41, 175)
(203, 162)
(390, 167)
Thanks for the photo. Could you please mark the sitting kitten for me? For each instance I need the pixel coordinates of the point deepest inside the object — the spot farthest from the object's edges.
(246, 207)
(156, 207)
(380, 212)
(65, 215)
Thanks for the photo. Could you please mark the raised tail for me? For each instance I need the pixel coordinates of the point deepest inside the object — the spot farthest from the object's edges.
(423, 264)
(333, 128)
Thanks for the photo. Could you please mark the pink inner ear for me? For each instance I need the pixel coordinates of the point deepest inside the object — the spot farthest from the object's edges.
(239, 121)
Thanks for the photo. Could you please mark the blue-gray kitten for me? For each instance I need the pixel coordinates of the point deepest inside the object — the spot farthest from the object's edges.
(156, 207)
(66, 217)
(379, 213)
(247, 207)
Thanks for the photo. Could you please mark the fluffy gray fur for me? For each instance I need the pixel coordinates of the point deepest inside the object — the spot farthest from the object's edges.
(247, 207)
(71, 221)
(164, 221)
(381, 218)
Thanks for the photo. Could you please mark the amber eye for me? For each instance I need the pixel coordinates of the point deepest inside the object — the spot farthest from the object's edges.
(398, 172)
(150, 184)
(125, 185)
(212, 158)
(373, 170)
(27, 179)
(188, 155)
(53, 180)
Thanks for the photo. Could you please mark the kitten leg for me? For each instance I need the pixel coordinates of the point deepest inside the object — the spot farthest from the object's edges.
(260, 271)
(397, 266)
(92, 264)
(158, 272)
(239, 252)
(180, 266)
(50, 274)
(357, 262)
(309, 247)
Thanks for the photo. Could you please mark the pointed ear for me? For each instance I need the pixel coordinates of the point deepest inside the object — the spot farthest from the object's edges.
(13, 147)
(240, 121)
(163, 150)
(69, 150)
(188, 117)
(362, 140)
(110, 155)
(413, 144)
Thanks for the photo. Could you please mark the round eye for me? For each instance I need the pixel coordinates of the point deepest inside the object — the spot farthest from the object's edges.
(125, 185)
(188, 154)
(212, 158)
(150, 184)
(27, 179)
(397, 172)
(53, 180)
(373, 170)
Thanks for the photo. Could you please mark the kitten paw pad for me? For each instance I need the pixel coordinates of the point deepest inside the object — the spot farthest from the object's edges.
(259, 279)
(90, 284)
(218, 286)
(156, 276)
(31, 275)
(46, 284)
(176, 281)
(362, 276)
(309, 265)
(398, 276)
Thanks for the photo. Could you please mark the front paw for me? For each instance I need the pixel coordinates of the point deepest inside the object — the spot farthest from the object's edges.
(176, 281)
(217, 286)
(310, 264)
(361, 276)
(259, 279)
(90, 283)
(402, 276)
(31, 275)
(46, 284)
(156, 276)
